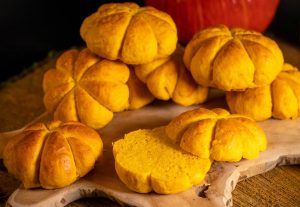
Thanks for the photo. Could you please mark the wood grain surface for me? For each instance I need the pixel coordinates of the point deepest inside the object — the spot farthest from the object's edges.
(215, 191)
(21, 101)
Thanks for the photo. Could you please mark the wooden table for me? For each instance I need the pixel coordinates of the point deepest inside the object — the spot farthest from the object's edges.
(21, 101)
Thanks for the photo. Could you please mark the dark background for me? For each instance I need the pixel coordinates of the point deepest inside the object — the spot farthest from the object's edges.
(29, 29)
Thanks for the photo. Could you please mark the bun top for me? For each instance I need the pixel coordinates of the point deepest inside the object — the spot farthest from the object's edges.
(87, 88)
(217, 134)
(133, 34)
(232, 59)
(51, 155)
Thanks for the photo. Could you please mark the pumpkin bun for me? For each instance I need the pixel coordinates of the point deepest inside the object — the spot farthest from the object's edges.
(232, 59)
(217, 134)
(52, 155)
(87, 88)
(146, 160)
(133, 34)
(167, 78)
(281, 99)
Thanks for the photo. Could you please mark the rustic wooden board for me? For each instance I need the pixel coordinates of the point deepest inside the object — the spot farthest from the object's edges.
(215, 190)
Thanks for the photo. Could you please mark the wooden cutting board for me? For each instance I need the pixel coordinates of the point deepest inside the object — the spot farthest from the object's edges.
(283, 148)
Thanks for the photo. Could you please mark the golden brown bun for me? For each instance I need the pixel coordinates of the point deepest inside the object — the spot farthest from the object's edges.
(167, 78)
(232, 59)
(84, 87)
(52, 155)
(145, 160)
(281, 99)
(133, 34)
(139, 95)
(217, 134)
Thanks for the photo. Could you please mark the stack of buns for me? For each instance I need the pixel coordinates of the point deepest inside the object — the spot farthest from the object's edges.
(249, 67)
(131, 59)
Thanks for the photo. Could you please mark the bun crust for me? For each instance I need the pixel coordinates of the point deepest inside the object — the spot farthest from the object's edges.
(51, 155)
(133, 34)
(146, 161)
(281, 99)
(84, 87)
(232, 59)
(217, 134)
(167, 78)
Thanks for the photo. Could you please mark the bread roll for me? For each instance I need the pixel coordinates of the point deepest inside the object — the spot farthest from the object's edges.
(167, 78)
(52, 155)
(133, 34)
(281, 99)
(217, 134)
(232, 59)
(84, 87)
(145, 160)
